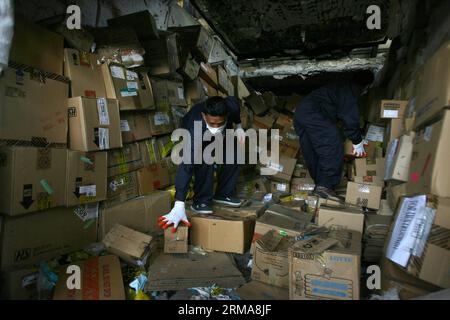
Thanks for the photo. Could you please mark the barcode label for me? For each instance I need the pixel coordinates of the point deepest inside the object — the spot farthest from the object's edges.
(103, 116)
(90, 191)
(124, 126)
(403, 237)
(87, 212)
(161, 118)
(103, 138)
(117, 72)
(392, 114)
(131, 75)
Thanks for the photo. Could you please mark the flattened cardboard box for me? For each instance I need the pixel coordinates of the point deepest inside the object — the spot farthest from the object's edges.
(363, 195)
(135, 126)
(429, 170)
(140, 214)
(271, 265)
(398, 158)
(153, 177)
(94, 124)
(176, 242)
(130, 245)
(124, 160)
(122, 188)
(101, 280)
(86, 177)
(37, 103)
(133, 90)
(33, 179)
(219, 234)
(341, 218)
(85, 73)
(42, 236)
(37, 47)
(340, 280)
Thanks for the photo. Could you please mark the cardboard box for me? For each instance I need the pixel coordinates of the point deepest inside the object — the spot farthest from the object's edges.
(36, 103)
(283, 170)
(393, 109)
(427, 257)
(216, 233)
(270, 99)
(195, 39)
(289, 147)
(429, 170)
(208, 74)
(370, 180)
(341, 218)
(288, 221)
(175, 91)
(124, 160)
(433, 93)
(37, 47)
(222, 78)
(122, 188)
(94, 124)
(373, 149)
(142, 22)
(302, 185)
(265, 122)
(293, 102)
(135, 126)
(240, 90)
(398, 158)
(150, 152)
(153, 177)
(19, 284)
(363, 195)
(41, 236)
(33, 179)
(283, 187)
(270, 259)
(161, 55)
(176, 242)
(133, 90)
(255, 290)
(85, 73)
(86, 177)
(257, 104)
(130, 245)
(209, 91)
(394, 194)
(340, 253)
(161, 122)
(301, 171)
(367, 167)
(395, 129)
(101, 280)
(190, 68)
(196, 92)
(140, 214)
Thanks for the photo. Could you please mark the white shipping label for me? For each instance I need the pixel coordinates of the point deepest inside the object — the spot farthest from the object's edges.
(402, 240)
(90, 191)
(103, 115)
(161, 118)
(124, 126)
(364, 189)
(103, 138)
(117, 72)
(375, 133)
(88, 211)
(281, 187)
(427, 134)
(276, 166)
(132, 85)
(128, 93)
(422, 229)
(392, 114)
(131, 75)
(180, 93)
(30, 279)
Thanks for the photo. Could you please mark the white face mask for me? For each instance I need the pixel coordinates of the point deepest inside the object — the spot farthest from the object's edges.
(215, 131)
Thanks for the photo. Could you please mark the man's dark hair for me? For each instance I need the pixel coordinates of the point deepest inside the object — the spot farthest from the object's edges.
(216, 107)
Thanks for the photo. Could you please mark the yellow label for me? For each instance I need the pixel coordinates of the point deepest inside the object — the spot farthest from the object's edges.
(167, 148)
(44, 201)
(87, 199)
(151, 151)
(121, 159)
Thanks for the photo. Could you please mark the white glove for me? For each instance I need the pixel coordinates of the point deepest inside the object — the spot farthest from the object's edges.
(177, 215)
(240, 133)
(358, 150)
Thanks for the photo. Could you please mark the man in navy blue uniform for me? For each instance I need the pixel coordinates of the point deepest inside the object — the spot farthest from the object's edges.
(315, 122)
(216, 115)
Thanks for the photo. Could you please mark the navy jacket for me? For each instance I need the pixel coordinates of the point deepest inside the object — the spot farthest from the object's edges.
(185, 171)
(339, 101)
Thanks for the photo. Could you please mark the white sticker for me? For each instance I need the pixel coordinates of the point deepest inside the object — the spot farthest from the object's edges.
(90, 191)
(117, 72)
(103, 115)
(403, 240)
(427, 133)
(29, 279)
(203, 66)
(392, 114)
(180, 93)
(161, 118)
(364, 188)
(132, 85)
(267, 197)
(128, 92)
(124, 126)
(281, 187)
(131, 75)
(422, 229)
(375, 133)
(276, 166)
(87, 212)
(292, 136)
(103, 138)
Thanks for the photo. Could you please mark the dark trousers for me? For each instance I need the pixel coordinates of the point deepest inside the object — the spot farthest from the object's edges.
(321, 145)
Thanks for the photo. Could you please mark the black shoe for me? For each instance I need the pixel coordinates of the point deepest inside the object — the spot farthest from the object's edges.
(229, 201)
(201, 208)
(327, 193)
